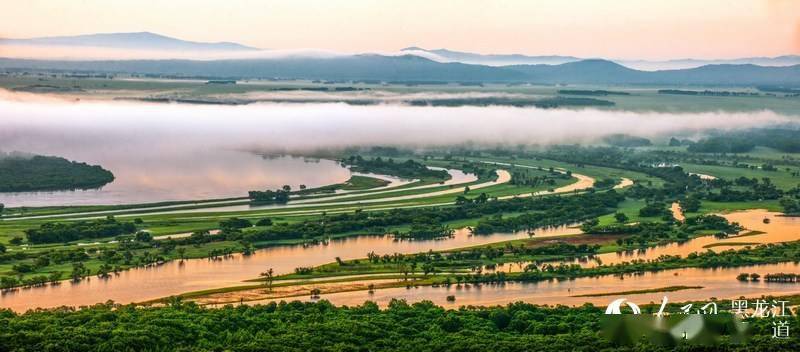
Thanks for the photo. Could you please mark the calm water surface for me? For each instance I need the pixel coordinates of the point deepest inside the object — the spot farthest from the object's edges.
(152, 176)
(780, 229)
(173, 278)
(720, 283)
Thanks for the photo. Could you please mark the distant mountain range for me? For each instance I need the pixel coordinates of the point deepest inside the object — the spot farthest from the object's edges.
(415, 65)
(444, 55)
(135, 41)
(410, 68)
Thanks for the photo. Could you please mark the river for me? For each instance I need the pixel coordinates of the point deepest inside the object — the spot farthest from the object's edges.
(719, 283)
(151, 175)
(173, 278)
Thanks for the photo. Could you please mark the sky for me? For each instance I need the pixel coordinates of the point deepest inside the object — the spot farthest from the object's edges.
(624, 29)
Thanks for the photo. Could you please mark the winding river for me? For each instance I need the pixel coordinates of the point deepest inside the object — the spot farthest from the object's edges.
(173, 277)
(719, 283)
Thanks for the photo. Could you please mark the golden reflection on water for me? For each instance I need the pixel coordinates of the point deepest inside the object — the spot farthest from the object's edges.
(173, 278)
(719, 283)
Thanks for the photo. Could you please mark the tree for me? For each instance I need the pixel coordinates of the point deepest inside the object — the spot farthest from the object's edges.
(303, 187)
(264, 222)
(427, 268)
(621, 217)
(268, 278)
(689, 204)
(2, 207)
(143, 236)
(790, 206)
(674, 142)
(181, 253)
(286, 188)
(7, 282)
(235, 223)
(78, 271)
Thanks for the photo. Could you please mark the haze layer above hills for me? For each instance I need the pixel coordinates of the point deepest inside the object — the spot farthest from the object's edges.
(411, 64)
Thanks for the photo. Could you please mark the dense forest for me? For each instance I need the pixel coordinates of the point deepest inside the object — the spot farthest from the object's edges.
(407, 169)
(55, 232)
(785, 140)
(517, 102)
(297, 326)
(49, 173)
(626, 141)
(549, 211)
(597, 92)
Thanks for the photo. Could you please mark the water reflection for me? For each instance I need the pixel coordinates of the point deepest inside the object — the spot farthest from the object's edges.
(165, 151)
(779, 229)
(151, 175)
(173, 278)
(719, 283)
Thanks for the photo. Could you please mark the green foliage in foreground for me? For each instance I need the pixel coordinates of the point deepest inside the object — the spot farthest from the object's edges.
(321, 326)
(49, 173)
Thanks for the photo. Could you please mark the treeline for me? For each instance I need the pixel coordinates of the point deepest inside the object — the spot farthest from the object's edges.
(715, 93)
(552, 212)
(772, 277)
(776, 89)
(269, 196)
(509, 101)
(785, 140)
(523, 177)
(321, 326)
(740, 190)
(60, 232)
(552, 103)
(597, 92)
(542, 269)
(722, 144)
(49, 173)
(626, 141)
(678, 183)
(406, 169)
(426, 222)
(646, 233)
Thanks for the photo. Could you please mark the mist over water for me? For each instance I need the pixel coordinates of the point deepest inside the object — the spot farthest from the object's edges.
(184, 152)
(82, 129)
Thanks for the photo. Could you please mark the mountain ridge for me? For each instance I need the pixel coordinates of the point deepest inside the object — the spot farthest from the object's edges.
(408, 68)
(128, 40)
(649, 65)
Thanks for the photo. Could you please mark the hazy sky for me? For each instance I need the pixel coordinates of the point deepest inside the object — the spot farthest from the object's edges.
(587, 28)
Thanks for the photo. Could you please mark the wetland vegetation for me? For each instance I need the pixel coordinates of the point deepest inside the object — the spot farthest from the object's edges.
(25, 173)
(548, 214)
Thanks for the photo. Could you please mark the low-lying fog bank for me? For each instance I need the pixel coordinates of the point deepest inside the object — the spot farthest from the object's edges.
(83, 129)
